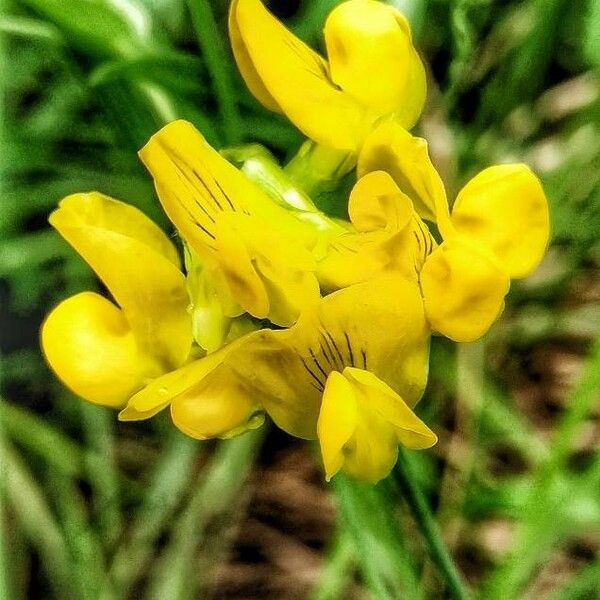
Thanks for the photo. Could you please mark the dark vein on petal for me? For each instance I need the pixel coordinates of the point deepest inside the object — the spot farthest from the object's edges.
(350, 354)
(317, 363)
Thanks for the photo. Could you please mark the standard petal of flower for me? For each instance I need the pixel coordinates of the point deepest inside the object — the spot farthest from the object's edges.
(463, 290)
(195, 185)
(107, 213)
(148, 286)
(245, 64)
(296, 78)
(371, 57)
(390, 148)
(505, 209)
(88, 343)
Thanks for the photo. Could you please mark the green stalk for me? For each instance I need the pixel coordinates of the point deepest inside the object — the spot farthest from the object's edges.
(5, 581)
(44, 441)
(212, 497)
(87, 569)
(316, 169)
(98, 427)
(544, 515)
(164, 492)
(37, 522)
(215, 56)
(423, 516)
(470, 370)
(336, 574)
(368, 519)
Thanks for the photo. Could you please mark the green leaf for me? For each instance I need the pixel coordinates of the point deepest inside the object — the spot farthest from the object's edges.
(101, 27)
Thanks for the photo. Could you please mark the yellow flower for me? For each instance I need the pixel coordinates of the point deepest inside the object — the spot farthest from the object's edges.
(498, 230)
(106, 352)
(372, 70)
(256, 254)
(373, 335)
(196, 412)
(361, 423)
(387, 237)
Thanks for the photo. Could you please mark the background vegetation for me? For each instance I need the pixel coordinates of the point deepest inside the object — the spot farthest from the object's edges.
(508, 503)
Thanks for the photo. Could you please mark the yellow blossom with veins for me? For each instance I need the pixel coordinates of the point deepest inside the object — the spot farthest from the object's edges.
(373, 336)
(498, 230)
(372, 70)
(105, 351)
(387, 237)
(257, 254)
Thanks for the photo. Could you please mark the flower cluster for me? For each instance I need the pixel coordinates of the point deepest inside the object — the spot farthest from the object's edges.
(322, 324)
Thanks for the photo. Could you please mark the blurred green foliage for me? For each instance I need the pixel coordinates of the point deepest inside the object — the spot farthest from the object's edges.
(112, 511)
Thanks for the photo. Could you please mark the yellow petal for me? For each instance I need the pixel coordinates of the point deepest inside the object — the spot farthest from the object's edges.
(390, 148)
(391, 238)
(376, 202)
(352, 258)
(238, 269)
(370, 447)
(107, 213)
(89, 345)
(362, 420)
(371, 57)
(294, 78)
(278, 379)
(195, 184)
(379, 325)
(378, 396)
(218, 406)
(160, 392)
(337, 422)
(244, 62)
(230, 223)
(463, 290)
(148, 287)
(505, 209)
(269, 274)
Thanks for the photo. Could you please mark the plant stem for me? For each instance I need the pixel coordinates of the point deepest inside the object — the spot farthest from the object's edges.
(424, 518)
(462, 448)
(211, 45)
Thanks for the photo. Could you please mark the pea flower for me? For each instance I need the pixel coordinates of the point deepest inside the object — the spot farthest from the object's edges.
(372, 71)
(200, 415)
(387, 236)
(349, 371)
(498, 230)
(255, 256)
(105, 351)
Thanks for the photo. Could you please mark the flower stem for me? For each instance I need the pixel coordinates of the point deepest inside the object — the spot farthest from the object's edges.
(316, 168)
(211, 45)
(424, 518)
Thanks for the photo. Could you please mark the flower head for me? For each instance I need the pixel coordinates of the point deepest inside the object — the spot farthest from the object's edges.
(377, 330)
(103, 351)
(362, 421)
(498, 230)
(254, 252)
(372, 70)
